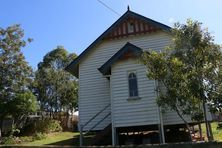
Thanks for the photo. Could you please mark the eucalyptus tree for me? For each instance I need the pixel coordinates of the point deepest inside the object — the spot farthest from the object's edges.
(191, 72)
(15, 75)
(56, 89)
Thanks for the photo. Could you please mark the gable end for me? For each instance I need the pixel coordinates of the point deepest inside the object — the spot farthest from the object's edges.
(73, 67)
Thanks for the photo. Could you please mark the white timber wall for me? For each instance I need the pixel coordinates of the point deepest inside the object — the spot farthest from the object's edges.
(141, 111)
(171, 117)
(94, 90)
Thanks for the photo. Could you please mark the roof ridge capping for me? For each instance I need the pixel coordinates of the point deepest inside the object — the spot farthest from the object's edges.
(73, 66)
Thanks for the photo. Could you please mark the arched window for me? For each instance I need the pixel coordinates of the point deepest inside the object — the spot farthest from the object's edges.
(133, 89)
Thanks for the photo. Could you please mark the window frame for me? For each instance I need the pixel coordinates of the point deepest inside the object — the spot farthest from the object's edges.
(130, 27)
(132, 97)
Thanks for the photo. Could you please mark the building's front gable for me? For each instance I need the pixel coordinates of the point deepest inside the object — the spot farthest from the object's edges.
(132, 25)
(128, 25)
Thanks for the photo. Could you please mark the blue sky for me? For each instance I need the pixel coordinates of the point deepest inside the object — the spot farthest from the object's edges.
(75, 24)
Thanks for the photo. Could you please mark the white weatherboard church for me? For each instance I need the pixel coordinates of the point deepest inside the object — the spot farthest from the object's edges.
(114, 90)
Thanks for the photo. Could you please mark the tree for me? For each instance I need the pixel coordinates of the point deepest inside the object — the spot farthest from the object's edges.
(56, 89)
(24, 102)
(190, 70)
(15, 74)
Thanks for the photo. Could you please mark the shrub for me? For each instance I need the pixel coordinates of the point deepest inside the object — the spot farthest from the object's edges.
(44, 126)
(54, 126)
(48, 126)
(26, 139)
(39, 136)
(9, 140)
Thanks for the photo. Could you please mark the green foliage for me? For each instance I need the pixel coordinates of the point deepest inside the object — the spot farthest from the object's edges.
(25, 139)
(23, 103)
(48, 126)
(15, 74)
(39, 136)
(190, 70)
(14, 130)
(54, 126)
(170, 73)
(56, 89)
(217, 132)
(40, 129)
(8, 140)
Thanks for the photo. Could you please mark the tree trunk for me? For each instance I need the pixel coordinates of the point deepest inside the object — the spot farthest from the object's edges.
(1, 122)
(12, 127)
(211, 133)
(188, 128)
(209, 137)
(67, 120)
(187, 125)
(42, 115)
(200, 131)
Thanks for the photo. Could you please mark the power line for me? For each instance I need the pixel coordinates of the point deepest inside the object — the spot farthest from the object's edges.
(101, 2)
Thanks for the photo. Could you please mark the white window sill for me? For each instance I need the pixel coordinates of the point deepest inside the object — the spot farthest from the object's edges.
(133, 98)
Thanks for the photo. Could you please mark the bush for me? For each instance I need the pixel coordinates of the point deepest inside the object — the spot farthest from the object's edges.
(41, 126)
(54, 126)
(10, 140)
(48, 126)
(26, 139)
(39, 136)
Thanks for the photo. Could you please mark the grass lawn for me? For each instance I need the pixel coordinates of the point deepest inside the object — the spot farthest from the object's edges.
(217, 133)
(72, 138)
(61, 138)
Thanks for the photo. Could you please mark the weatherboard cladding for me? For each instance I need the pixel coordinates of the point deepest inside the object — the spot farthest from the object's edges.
(105, 69)
(73, 67)
(94, 88)
(141, 111)
(171, 117)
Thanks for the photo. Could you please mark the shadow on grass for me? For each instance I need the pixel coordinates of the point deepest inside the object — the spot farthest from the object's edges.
(75, 140)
